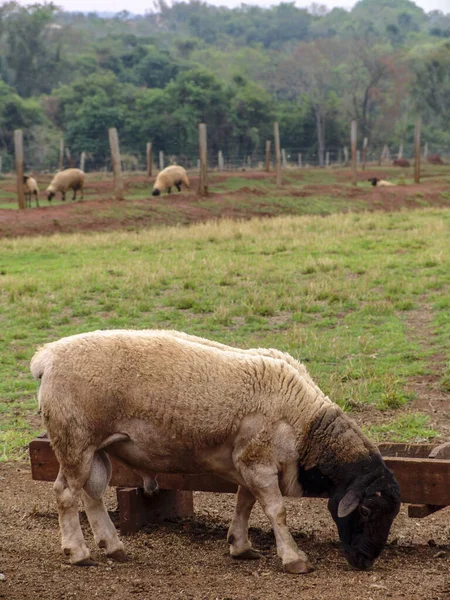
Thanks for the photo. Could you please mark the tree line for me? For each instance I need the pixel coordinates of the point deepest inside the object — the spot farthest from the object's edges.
(156, 76)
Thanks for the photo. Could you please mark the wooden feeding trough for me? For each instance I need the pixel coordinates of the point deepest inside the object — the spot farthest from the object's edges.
(422, 470)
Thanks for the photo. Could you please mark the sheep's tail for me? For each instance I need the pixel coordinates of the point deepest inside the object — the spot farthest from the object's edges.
(41, 363)
(185, 180)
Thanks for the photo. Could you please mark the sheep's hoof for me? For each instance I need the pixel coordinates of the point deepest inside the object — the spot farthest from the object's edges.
(119, 556)
(86, 562)
(249, 554)
(298, 567)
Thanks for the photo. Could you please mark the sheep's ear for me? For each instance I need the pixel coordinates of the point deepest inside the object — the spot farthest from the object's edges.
(348, 504)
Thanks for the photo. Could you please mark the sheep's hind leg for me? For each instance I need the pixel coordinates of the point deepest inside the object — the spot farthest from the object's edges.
(67, 490)
(240, 546)
(105, 534)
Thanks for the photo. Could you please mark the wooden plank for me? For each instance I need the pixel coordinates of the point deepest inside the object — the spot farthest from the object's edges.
(137, 509)
(420, 511)
(441, 451)
(421, 480)
(405, 450)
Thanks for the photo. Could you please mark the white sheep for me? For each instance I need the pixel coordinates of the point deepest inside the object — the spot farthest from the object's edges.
(380, 182)
(66, 180)
(164, 401)
(30, 188)
(170, 177)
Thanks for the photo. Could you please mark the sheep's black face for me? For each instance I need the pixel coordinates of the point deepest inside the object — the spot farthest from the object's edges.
(156, 192)
(364, 515)
(50, 195)
(373, 181)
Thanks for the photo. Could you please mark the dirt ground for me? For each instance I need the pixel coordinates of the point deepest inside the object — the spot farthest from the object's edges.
(100, 211)
(188, 559)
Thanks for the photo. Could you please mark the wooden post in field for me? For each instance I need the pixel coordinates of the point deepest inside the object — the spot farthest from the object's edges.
(327, 159)
(82, 160)
(1, 165)
(345, 156)
(149, 157)
(267, 165)
(283, 158)
(364, 153)
(220, 161)
(425, 152)
(18, 151)
(300, 163)
(61, 154)
(276, 135)
(203, 153)
(400, 151)
(161, 160)
(417, 151)
(69, 158)
(353, 137)
(115, 158)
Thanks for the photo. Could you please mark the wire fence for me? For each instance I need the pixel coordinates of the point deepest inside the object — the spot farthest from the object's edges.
(300, 157)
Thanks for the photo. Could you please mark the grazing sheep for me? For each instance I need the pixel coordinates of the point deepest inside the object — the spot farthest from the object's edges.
(434, 159)
(169, 177)
(401, 162)
(163, 401)
(30, 188)
(66, 180)
(380, 182)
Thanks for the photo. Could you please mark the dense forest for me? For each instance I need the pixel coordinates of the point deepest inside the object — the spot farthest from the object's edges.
(156, 76)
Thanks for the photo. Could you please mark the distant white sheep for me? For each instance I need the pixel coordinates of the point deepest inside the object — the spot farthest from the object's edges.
(65, 180)
(170, 177)
(30, 188)
(380, 182)
(163, 401)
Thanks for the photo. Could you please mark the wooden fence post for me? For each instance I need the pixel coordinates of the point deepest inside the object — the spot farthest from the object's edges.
(417, 151)
(364, 153)
(327, 159)
(276, 135)
(345, 156)
(283, 158)
(220, 160)
(18, 151)
(299, 158)
(69, 158)
(1, 165)
(82, 160)
(353, 138)
(400, 151)
(61, 154)
(425, 151)
(115, 158)
(267, 165)
(149, 157)
(203, 153)
(161, 160)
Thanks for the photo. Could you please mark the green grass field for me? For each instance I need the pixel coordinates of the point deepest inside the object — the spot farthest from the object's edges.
(335, 292)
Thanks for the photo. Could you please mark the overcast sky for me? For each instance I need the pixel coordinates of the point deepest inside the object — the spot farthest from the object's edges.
(141, 6)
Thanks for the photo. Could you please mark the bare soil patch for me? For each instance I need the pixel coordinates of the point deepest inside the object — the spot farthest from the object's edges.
(100, 211)
(188, 559)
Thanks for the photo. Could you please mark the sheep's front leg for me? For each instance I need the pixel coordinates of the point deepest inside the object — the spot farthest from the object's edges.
(240, 546)
(268, 494)
(67, 493)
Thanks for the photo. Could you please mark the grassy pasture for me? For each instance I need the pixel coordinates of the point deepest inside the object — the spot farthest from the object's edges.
(335, 292)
